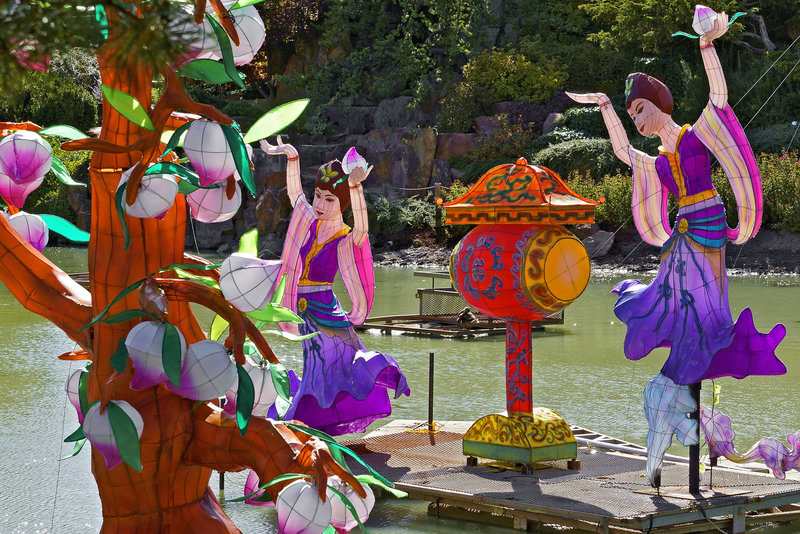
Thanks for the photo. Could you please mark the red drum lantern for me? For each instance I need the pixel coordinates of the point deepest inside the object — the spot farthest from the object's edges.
(520, 264)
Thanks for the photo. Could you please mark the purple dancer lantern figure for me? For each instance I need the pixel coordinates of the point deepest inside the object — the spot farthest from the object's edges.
(344, 386)
(686, 307)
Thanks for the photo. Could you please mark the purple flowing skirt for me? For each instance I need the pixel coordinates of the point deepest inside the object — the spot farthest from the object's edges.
(686, 309)
(344, 386)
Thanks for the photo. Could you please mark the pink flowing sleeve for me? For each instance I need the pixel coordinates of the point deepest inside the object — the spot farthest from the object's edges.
(355, 266)
(299, 224)
(719, 130)
(649, 201)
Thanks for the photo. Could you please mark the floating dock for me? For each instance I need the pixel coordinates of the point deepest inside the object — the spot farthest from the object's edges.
(609, 493)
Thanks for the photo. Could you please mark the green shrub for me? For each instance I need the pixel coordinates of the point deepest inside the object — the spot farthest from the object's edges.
(46, 100)
(594, 155)
(617, 189)
(774, 139)
(51, 196)
(559, 134)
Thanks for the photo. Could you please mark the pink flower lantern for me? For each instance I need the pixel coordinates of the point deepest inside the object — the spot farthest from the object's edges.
(145, 349)
(207, 149)
(213, 205)
(16, 194)
(25, 156)
(301, 511)
(207, 372)
(97, 428)
(32, 228)
(71, 387)
(704, 19)
(156, 195)
(246, 281)
(353, 159)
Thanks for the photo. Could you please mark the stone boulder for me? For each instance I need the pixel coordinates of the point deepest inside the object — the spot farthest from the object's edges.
(454, 144)
(395, 113)
(598, 244)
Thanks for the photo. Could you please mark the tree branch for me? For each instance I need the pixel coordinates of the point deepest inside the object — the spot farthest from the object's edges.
(43, 288)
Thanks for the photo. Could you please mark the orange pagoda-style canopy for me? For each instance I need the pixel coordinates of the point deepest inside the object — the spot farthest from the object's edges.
(521, 194)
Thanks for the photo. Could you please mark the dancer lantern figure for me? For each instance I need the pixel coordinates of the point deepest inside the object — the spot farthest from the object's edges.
(344, 386)
(686, 307)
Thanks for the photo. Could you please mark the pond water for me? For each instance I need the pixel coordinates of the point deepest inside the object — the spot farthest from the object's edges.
(579, 371)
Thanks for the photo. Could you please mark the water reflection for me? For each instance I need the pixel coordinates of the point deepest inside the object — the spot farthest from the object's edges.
(579, 371)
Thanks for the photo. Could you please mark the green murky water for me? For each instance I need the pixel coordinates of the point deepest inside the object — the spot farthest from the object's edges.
(579, 371)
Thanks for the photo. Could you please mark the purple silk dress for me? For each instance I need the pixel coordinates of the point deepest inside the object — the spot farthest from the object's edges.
(344, 386)
(686, 307)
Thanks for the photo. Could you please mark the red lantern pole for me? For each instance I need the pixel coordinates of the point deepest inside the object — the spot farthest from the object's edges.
(519, 367)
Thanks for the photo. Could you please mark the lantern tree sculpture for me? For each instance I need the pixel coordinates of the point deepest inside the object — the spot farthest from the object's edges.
(520, 264)
(154, 445)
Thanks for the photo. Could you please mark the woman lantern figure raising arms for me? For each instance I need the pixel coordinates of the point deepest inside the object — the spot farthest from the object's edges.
(686, 307)
(344, 386)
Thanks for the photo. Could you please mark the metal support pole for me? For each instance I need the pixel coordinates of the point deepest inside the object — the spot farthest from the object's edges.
(430, 392)
(694, 450)
(221, 481)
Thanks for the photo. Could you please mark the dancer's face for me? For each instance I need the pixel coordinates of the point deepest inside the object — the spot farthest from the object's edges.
(326, 205)
(646, 116)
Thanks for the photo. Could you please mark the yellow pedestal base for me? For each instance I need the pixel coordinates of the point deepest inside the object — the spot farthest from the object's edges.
(523, 438)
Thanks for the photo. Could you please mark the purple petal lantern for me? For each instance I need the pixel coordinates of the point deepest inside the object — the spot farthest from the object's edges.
(32, 228)
(25, 156)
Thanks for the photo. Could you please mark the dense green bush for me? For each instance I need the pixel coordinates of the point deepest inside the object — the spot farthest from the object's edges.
(51, 196)
(594, 155)
(46, 100)
(774, 139)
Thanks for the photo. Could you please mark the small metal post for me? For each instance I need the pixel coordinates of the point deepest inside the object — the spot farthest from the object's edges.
(436, 198)
(430, 392)
(221, 481)
(694, 450)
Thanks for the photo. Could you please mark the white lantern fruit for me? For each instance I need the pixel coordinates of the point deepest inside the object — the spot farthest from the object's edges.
(97, 428)
(16, 194)
(207, 148)
(213, 205)
(32, 228)
(72, 388)
(251, 32)
(205, 46)
(155, 197)
(145, 349)
(353, 159)
(25, 156)
(265, 392)
(704, 19)
(342, 519)
(247, 282)
(301, 511)
(207, 371)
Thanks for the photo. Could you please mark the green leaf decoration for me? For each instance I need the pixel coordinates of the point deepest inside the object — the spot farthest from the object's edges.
(240, 157)
(275, 120)
(120, 358)
(125, 435)
(277, 480)
(122, 294)
(75, 436)
(102, 19)
(171, 354)
(369, 479)
(282, 406)
(128, 315)
(277, 295)
(350, 507)
(245, 398)
(280, 378)
(249, 348)
(205, 280)
(329, 530)
(244, 3)
(75, 450)
(185, 187)
(175, 139)
(83, 392)
(208, 70)
(218, 327)
(119, 198)
(128, 107)
(273, 313)
(65, 228)
(63, 130)
(173, 168)
(61, 172)
(289, 335)
(192, 266)
(227, 51)
(248, 243)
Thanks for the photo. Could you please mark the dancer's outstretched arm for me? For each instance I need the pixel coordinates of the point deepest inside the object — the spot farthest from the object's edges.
(294, 187)
(616, 132)
(718, 87)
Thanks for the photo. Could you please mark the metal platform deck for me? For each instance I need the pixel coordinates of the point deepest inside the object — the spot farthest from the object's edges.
(609, 493)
